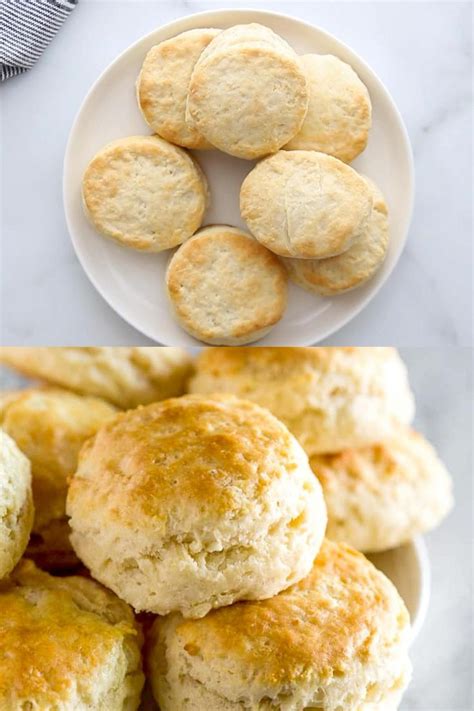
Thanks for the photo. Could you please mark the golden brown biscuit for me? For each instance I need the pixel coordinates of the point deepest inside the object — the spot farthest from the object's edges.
(336, 640)
(50, 426)
(248, 93)
(225, 288)
(305, 204)
(66, 643)
(339, 111)
(145, 193)
(127, 377)
(193, 503)
(162, 86)
(382, 495)
(355, 266)
(330, 398)
(16, 504)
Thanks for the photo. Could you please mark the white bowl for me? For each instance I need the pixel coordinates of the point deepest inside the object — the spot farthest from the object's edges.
(409, 570)
(133, 283)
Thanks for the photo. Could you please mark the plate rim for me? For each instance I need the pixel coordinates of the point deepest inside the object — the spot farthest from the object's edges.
(408, 209)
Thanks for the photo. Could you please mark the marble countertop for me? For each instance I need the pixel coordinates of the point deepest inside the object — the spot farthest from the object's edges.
(442, 652)
(421, 50)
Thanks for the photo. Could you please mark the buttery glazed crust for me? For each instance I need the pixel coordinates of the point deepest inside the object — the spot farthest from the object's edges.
(330, 398)
(193, 503)
(248, 94)
(305, 204)
(127, 377)
(162, 87)
(225, 288)
(353, 267)
(145, 193)
(16, 504)
(50, 426)
(337, 639)
(381, 496)
(339, 112)
(66, 643)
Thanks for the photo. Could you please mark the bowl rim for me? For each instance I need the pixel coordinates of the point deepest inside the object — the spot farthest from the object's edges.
(423, 560)
(176, 26)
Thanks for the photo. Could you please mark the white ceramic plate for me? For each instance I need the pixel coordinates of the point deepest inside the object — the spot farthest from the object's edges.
(133, 283)
(409, 570)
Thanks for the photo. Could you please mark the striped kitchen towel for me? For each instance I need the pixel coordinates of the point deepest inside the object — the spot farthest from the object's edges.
(26, 29)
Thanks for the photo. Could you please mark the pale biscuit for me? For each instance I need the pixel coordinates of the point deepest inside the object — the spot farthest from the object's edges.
(346, 271)
(381, 496)
(145, 193)
(330, 398)
(225, 288)
(251, 34)
(66, 643)
(50, 427)
(339, 113)
(248, 93)
(336, 640)
(162, 86)
(305, 204)
(193, 503)
(126, 376)
(16, 504)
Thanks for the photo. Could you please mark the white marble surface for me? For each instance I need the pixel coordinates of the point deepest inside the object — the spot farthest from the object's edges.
(421, 50)
(442, 653)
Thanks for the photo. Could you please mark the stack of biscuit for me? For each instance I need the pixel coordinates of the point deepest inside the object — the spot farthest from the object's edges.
(204, 510)
(311, 217)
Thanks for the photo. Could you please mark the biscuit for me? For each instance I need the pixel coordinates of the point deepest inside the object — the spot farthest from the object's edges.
(305, 204)
(66, 643)
(49, 427)
(381, 496)
(339, 111)
(248, 93)
(336, 640)
(144, 193)
(162, 86)
(225, 288)
(347, 271)
(330, 398)
(192, 503)
(16, 504)
(126, 377)
(251, 34)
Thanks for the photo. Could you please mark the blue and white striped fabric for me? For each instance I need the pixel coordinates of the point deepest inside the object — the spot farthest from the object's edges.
(26, 29)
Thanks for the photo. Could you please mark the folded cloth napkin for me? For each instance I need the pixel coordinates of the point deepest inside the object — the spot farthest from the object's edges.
(26, 29)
